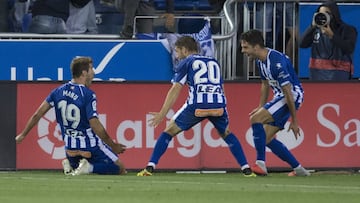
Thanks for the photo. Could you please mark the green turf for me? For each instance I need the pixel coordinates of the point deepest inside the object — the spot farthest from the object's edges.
(53, 187)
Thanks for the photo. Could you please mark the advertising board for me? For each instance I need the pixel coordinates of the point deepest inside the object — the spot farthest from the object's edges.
(49, 60)
(330, 127)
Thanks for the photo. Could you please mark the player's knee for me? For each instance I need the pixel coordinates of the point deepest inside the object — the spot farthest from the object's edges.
(172, 129)
(261, 116)
(255, 119)
(225, 134)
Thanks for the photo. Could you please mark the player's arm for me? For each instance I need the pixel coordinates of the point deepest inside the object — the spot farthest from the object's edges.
(100, 131)
(291, 105)
(264, 92)
(170, 99)
(40, 112)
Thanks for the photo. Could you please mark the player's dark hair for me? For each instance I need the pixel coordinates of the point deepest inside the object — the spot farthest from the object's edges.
(80, 64)
(253, 37)
(188, 42)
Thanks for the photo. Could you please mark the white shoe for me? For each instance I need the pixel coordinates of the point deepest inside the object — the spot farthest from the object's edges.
(299, 171)
(68, 170)
(84, 168)
(259, 168)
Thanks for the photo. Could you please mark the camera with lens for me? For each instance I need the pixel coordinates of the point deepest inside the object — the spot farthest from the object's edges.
(321, 19)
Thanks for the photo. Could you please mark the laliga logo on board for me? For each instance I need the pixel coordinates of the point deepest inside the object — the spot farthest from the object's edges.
(60, 72)
(50, 139)
(107, 58)
(287, 138)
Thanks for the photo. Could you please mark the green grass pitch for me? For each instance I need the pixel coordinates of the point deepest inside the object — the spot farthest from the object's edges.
(171, 187)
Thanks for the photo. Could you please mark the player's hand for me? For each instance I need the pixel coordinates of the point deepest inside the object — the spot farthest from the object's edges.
(119, 148)
(19, 138)
(295, 129)
(156, 119)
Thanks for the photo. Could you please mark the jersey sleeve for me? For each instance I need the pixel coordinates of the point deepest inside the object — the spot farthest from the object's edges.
(91, 109)
(280, 70)
(50, 98)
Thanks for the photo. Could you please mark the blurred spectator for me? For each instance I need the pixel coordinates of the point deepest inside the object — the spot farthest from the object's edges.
(134, 8)
(264, 21)
(82, 18)
(266, 13)
(191, 25)
(292, 42)
(19, 15)
(49, 16)
(332, 44)
(217, 6)
(4, 12)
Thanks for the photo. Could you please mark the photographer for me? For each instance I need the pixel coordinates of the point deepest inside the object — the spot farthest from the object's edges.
(332, 44)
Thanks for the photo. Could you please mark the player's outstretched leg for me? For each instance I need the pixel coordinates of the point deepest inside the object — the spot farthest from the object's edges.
(238, 153)
(160, 147)
(280, 150)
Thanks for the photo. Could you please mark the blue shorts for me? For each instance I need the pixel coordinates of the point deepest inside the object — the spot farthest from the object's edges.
(185, 118)
(279, 111)
(99, 154)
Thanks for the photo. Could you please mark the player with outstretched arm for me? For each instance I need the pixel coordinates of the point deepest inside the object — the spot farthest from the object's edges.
(206, 101)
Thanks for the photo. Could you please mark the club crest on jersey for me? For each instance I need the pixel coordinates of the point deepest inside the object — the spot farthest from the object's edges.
(94, 105)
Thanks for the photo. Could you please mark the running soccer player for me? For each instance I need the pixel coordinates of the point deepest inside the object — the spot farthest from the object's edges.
(206, 101)
(268, 118)
(88, 147)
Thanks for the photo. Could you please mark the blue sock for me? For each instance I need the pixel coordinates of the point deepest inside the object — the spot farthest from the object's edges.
(160, 147)
(236, 149)
(259, 136)
(106, 169)
(280, 150)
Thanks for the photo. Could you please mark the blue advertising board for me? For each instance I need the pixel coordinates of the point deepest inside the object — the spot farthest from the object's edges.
(350, 15)
(28, 60)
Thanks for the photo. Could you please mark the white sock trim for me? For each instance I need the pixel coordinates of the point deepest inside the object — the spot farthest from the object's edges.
(152, 164)
(245, 166)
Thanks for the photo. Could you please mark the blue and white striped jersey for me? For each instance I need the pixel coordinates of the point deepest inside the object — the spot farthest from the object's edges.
(279, 71)
(202, 74)
(74, 106)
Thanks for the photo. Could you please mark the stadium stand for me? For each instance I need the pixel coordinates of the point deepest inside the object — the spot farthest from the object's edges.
(109, 19)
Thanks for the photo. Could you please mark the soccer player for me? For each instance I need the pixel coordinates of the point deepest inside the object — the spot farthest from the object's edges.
(268, 118)
(206, 101)
(89, 149)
